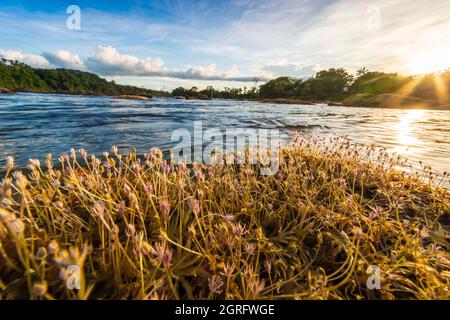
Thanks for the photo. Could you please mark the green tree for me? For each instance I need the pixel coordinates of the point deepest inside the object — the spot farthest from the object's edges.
(331, 84)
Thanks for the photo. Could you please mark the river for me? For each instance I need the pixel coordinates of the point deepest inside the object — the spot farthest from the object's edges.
(32, 125)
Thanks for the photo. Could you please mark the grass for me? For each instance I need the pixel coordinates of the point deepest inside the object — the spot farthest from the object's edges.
(147, 229)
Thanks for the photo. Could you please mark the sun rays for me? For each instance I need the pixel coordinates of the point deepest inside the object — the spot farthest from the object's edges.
(435, 83)
(431, 61)
(441, 88)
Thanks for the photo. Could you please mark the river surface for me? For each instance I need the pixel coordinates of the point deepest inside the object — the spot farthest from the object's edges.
(32, 125)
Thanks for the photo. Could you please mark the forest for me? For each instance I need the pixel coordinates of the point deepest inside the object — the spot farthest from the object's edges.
(337, 84)
(332, 85)
(17, 76)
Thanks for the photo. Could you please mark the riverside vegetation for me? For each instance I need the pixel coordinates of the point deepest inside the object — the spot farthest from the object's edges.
(17, 76)
(145, 228)
(333, 86)
(337, 86)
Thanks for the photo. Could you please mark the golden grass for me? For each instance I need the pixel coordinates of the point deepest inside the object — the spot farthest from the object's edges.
(147, 229)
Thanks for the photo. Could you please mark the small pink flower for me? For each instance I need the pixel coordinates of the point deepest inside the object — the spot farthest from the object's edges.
(165, 167)
(328, 216)
(164, 255)
(157, 153)
(83, 153)
(130, 230)
(121, 207)
(376, 212)
(99, 209)
(250, 249)
(239, 229)
(9, 162)
(182, 167)
(136, 167)
(194, 205)
(164, 207)
(199, 175)
(215, 284)
(228, 269)
(148, 188)
(256, 286)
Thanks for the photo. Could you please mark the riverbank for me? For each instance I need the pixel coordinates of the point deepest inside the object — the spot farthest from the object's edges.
(81, 94)
(283, 101)
(139, 230)
(393, 101)
(385, 101)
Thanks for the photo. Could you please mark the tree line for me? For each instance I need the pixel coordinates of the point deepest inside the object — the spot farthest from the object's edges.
(336, 84)
(17, 76)
(333, 84)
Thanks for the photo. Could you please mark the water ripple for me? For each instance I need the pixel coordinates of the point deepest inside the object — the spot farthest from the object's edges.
(32, 125)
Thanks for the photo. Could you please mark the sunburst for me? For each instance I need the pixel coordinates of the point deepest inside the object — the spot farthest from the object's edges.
(430, 61)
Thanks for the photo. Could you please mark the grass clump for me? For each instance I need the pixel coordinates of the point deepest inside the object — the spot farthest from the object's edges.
(149, 229)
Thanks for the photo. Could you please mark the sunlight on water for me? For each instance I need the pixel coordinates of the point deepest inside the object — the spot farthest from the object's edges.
(405, 129)
(32, 125)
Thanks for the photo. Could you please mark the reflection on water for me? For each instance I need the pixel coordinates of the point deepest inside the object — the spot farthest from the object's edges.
(32, 125)
(405, 130)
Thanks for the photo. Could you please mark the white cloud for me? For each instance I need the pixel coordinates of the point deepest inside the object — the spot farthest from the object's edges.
(230, 72)
(108, 61)
(64, 59)
(292, 70)
(258, 37)
(331, 33)
(30, 59)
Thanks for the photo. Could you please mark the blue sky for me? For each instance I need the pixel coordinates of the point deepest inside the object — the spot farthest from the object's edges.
(164, 44)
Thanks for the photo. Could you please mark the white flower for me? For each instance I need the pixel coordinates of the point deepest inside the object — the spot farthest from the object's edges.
(9, 162)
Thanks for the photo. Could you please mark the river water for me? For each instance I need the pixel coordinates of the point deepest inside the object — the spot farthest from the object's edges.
(32, 125)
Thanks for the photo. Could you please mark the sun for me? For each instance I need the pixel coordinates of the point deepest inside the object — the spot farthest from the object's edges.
(430, 61)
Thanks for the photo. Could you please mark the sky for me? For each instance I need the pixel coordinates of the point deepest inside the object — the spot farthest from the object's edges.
(169, 43)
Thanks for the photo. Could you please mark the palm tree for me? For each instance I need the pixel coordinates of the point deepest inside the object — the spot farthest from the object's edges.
(361, 71)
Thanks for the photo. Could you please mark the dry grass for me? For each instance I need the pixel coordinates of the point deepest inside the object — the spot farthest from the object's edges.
(143, 229)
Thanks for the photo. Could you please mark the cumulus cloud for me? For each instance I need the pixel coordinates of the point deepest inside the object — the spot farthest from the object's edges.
(64, 59)
(292, 70)
(30, 59)
(210, 73)
(108, 61)
(249, 33)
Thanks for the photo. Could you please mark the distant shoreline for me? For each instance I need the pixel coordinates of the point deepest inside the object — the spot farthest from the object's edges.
(382, 101)
(91, 94)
